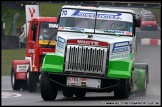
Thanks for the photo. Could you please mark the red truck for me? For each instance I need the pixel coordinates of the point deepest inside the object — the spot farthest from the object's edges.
(41, 40)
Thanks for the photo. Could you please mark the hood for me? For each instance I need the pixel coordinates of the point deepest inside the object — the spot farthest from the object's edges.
(110, 39)
(118, 47)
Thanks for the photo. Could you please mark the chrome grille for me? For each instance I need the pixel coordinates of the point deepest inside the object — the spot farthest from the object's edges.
(86, 59)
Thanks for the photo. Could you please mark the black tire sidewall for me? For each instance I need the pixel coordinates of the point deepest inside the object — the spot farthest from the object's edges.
(32, 81)
(122, 91)
(80, 94)
(67, 93)
(48, 89)
(17, 84)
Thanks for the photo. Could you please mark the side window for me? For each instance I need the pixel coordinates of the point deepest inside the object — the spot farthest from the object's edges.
(34, 29)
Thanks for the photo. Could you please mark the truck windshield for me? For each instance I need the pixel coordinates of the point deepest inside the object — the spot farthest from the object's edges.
(148, 18)
(96, 21)
(47, 34)
(47, 30)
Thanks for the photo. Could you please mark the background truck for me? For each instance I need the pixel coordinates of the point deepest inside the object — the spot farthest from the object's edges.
(95, 52)
(41, 40)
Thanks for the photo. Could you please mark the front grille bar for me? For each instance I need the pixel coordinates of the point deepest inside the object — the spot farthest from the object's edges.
(86, 59)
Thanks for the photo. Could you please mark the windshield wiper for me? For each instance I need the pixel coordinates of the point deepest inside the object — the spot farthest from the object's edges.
(82, 31)
(51, 38)
(78, 29)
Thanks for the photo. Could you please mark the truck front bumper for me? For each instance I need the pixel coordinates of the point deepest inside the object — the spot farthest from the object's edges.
(107, 84)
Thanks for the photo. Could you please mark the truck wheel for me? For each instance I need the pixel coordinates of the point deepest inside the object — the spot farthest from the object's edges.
(48, 89)
(144, 80)
(123, 90)
(143, 85)
(25, 85)
(16, 84)
(67, 93)
(32, 81)
(80, 94)
(145, 67)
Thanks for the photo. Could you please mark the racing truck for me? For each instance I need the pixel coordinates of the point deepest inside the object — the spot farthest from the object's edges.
(25, 74)
(95, 52)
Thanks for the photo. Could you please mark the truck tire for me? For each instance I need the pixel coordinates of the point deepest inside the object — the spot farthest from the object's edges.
(143, 83)
(25, 85)
(123, 90)
(143, 89)
(67, 93)
(80, 94)
(143, 66)
(32, 81)
(16, 84)
(48, 89)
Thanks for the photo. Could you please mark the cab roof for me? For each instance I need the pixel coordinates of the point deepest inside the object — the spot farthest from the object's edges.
(45, 19)
(98, 8)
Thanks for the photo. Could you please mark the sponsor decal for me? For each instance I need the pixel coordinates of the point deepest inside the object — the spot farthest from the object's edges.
(114, 31)
(84, 14)
(100, 15)
(76, 28)
(22, 68)
(120, 50)
(64, 12)
(119, 56)
(87, 42)
(120, 47)
(118, 32)
(117, 50)
(51, 25)
(128, 33)
(89, 14)
(109, 16)
(60, 42)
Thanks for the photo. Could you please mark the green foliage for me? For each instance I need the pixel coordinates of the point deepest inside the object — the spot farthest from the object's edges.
(8, 18)
(8, 56)
(51, 10)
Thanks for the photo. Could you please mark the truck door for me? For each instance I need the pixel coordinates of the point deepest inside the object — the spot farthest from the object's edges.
(32, 39)
(31, 44)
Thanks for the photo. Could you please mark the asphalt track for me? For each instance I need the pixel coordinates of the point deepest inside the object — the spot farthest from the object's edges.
(145, 54)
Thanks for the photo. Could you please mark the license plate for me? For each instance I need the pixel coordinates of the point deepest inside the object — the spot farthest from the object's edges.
(83, 82)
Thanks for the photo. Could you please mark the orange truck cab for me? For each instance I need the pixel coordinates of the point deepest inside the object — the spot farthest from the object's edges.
(41, 40)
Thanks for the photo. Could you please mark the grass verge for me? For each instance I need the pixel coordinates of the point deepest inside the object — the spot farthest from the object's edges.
(8, 56)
